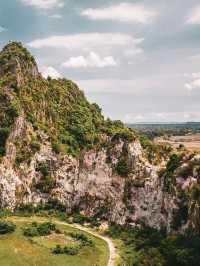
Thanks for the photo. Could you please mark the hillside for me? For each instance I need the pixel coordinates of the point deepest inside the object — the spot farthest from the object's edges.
(57, 107)
(55, 145)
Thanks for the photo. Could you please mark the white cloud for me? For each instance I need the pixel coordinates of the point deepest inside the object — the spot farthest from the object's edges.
(196, 75)
(2, 29)
(88, 41)
(136, 86)
(194, 57)
(91, 61)
(164, 117)
(191, 75)
(194, 83)
(133, 52)
(130, 118)
(194, 16)
(44, 4)
(50, 72)
(124, 12)
(145, 117)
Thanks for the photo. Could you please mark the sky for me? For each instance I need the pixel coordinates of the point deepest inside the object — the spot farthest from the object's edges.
(139, 60)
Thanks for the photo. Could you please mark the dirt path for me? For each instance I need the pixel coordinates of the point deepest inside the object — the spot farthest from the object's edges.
(113, 253)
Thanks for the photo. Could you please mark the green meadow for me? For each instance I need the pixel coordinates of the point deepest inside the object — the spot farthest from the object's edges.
(16, 249)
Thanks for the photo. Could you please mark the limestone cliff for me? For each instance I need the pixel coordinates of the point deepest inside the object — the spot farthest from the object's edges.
(56, 145)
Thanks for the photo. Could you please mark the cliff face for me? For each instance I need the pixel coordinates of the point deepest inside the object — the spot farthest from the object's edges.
(89, 184)
(55, 145)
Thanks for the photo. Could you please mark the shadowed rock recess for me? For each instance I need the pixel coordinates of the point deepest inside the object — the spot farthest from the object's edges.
(54, 144)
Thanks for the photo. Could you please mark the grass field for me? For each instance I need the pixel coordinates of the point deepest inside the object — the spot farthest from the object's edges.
(191, 141)
(18, 250)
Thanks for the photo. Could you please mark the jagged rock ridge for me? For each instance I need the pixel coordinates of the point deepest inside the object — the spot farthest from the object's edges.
(54, 144)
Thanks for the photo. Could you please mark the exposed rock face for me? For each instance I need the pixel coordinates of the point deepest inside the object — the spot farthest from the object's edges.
(89, 182)
(90, 185)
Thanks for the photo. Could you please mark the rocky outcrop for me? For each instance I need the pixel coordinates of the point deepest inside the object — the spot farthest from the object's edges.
(56, 145)
(20, 63)
(90, 184)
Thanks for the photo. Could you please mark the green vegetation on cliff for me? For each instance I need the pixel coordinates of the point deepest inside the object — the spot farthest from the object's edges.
(8, 113)
(58, 107)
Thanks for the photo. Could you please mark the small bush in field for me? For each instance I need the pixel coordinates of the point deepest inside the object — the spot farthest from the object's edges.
(85, 241)
(6, 227)
(46, 229)
(43, 229)
(65, 250)
(30, 232)
(70, 250)
(57, 250)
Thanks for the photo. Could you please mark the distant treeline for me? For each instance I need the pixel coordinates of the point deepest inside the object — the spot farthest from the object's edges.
(158, 129)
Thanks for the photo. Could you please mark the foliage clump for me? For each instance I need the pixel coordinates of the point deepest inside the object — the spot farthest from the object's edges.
(26, 148)
(74, 250)
(68, 250)
(146, 246)
(180, 216)
(155, 153)
(195, 192)
(6, 227)
(46, 182)
(122, 167)
(85, 241)
(168, 173)
(8, 113)
(42, 229)
(190, 168)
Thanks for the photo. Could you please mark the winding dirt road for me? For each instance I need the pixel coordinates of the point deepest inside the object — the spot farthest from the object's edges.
(112, 250)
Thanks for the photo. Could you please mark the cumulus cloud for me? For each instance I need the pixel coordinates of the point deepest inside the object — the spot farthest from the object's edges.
(93, 60)
(123, 12)
(50, 72)
(88, 41)
(194, 16)
(194, 83)
(44, 4)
